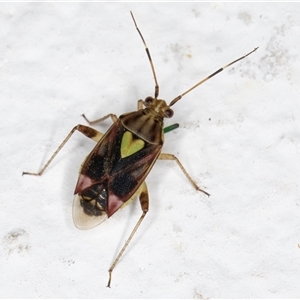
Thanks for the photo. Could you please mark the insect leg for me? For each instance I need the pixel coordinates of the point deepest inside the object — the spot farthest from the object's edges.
(144, 201)
(140, 104)
(87, 131)
(171, 127)
(112, 116)
(167, 156)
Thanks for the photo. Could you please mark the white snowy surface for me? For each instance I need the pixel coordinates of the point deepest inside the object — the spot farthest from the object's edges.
(239, 138)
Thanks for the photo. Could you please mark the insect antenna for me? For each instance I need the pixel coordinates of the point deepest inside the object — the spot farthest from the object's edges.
(210, 76)
(156, 92)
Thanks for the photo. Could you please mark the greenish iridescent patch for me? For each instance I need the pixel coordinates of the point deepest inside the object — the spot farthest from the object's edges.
(130, 145)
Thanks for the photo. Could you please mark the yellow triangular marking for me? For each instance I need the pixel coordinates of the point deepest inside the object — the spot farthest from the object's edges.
(130, 145)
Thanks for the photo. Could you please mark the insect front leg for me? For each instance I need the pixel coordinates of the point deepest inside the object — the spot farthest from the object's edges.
(167, 156)
(140, 104)
(144, 201)
(112, 116)
(87, 131)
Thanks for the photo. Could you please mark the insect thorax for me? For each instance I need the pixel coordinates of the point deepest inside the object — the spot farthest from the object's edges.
(146, 124)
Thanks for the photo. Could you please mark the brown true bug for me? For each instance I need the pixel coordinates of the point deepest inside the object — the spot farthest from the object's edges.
(116, 169)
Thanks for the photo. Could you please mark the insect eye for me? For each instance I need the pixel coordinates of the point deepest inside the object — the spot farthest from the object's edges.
(169, 113)
(148, 100)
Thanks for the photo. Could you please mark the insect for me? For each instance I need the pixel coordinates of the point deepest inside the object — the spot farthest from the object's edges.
(115, 171)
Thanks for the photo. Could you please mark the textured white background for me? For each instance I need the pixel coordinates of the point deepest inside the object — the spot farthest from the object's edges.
(239, 139)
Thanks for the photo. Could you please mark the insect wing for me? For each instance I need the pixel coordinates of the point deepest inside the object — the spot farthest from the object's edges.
(111, 175)
(84, 220)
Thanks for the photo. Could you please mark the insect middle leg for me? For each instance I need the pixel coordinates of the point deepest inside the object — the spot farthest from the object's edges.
(144, 201)
(167, 156)
(87, 131)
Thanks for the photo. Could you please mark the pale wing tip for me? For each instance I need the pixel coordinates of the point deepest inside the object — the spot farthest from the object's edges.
(83, 220)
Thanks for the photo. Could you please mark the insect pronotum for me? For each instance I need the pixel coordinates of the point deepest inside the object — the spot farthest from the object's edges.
(116, 169)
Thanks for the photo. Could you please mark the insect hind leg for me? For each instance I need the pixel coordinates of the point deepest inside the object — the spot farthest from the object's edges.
(144, 201)
(87, 131)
